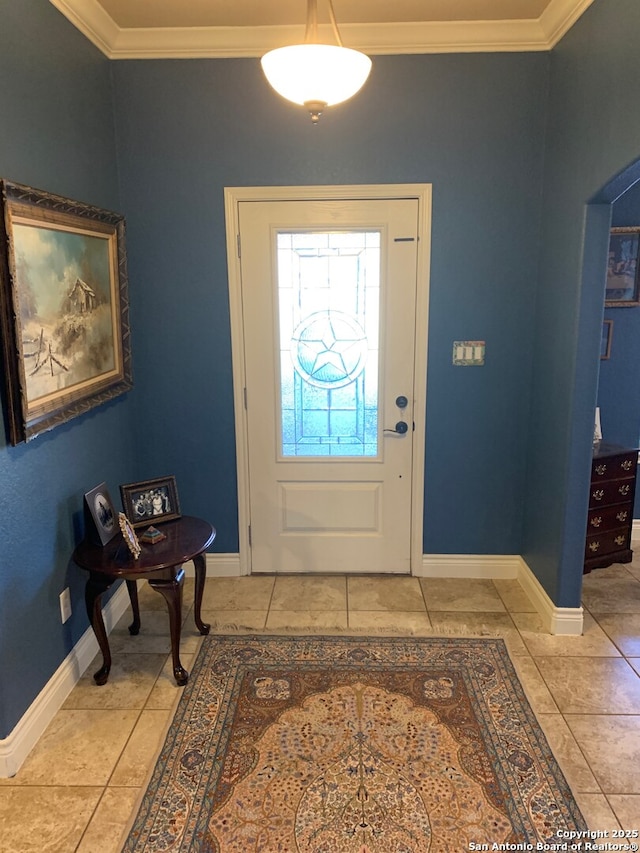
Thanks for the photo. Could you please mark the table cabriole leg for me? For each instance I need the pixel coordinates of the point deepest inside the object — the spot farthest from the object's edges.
(96, 585)
(171, 590)
(199, 563)
(134, 628)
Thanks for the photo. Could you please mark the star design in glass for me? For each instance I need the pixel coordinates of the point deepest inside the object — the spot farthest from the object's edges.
(330, 348)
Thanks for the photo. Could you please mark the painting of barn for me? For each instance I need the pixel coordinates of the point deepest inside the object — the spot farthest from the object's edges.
(81, 298)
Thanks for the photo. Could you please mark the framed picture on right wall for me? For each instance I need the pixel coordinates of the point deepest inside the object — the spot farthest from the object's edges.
(622, 287)
(605, 343)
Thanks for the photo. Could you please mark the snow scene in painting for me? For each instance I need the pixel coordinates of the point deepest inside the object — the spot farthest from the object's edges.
(65, 307)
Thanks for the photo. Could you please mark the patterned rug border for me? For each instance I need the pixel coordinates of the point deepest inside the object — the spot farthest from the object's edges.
(310, 648)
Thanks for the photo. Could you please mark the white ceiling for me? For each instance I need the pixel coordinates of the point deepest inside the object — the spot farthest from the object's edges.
(126, 29)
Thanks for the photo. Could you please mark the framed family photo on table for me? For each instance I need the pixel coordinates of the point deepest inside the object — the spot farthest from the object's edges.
(151, 501)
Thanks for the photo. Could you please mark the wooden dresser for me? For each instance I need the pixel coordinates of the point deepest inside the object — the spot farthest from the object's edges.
(612, 491)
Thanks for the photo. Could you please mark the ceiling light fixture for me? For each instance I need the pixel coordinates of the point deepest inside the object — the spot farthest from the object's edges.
(316, 75)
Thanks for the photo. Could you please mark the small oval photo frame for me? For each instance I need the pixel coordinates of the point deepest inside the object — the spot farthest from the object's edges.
(151, 501)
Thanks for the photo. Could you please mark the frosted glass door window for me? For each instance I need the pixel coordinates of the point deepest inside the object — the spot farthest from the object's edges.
(329, 312)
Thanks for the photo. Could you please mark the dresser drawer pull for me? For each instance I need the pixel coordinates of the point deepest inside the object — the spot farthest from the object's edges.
(600, 470)
(627, 465)
(624, 490)
(598, 494)
(594, 546)
(620, 540)
(596, 521)
(622, 516)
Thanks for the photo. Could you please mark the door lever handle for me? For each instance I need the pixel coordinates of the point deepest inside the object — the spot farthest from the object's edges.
(400, 428)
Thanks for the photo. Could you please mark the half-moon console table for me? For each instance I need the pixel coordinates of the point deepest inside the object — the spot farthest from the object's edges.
(187, 538)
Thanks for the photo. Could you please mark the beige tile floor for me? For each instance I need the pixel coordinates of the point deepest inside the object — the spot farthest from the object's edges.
(78, 789)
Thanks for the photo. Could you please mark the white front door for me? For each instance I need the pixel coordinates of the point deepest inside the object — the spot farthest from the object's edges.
(329, 300)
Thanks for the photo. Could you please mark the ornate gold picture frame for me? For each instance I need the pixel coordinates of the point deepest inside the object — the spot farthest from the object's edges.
(64, 308)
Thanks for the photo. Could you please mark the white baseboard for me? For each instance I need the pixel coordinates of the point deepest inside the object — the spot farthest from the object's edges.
(223, 565)
(635, 529)
(556, 620)
(218, 566)
(469, 566)
(19, 743)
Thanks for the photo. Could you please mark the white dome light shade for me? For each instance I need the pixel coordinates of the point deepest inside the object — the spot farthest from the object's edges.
(316, 73)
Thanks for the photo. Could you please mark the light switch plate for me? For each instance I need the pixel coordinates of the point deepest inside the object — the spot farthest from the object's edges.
(468, 353)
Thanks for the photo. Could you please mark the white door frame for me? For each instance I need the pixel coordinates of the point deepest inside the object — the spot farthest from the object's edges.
(232, 197)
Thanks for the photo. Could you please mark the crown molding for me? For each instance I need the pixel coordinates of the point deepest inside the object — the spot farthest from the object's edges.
(399, 38)
(374, 39)
(90, 18)
(559, 16)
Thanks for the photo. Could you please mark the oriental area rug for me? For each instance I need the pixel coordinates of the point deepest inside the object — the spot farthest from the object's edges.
(354, 745)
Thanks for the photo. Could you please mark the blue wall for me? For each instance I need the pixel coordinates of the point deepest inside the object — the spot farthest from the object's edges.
(472, 126)
(56, 133)
(593, 134)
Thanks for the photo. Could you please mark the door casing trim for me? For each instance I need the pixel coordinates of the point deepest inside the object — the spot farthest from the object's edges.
(233, 196)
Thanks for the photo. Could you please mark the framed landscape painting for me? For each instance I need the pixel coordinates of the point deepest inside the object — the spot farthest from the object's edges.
(64, 308)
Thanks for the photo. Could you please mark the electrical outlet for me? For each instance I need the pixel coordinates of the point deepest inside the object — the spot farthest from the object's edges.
(65, 605)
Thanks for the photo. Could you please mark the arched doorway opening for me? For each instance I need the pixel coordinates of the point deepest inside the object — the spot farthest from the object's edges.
(616, 204)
